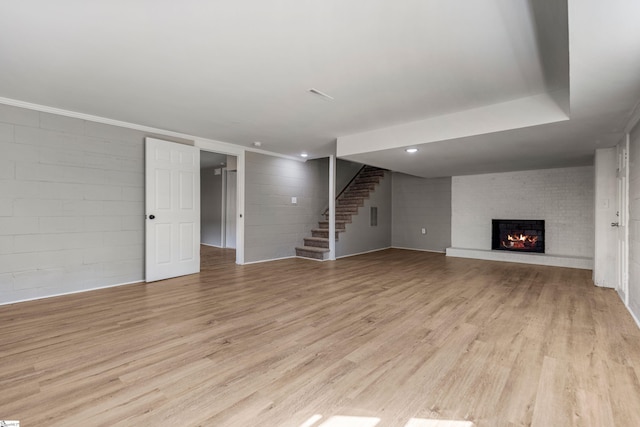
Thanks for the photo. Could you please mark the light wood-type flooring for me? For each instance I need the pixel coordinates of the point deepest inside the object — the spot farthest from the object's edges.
(394, 337)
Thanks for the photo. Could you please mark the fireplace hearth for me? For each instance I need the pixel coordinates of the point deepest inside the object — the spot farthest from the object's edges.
(517, 235)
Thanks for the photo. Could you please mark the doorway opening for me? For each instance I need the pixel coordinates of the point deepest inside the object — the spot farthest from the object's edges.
(218, 201)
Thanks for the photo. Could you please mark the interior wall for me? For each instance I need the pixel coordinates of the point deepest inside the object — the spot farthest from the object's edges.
(345, 171)
(563, 197)
(360, 235)
(71, 204)
(421, 203)
(211, 206)
(231, 210)
(274, 225)
(634, 222)
(605, 247)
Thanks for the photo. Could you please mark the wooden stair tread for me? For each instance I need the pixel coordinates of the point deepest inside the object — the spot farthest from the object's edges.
(318, 239)
(347, 205)
(312, 249)
(350, 203)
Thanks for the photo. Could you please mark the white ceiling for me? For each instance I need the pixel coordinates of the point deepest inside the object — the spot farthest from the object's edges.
(477, 86)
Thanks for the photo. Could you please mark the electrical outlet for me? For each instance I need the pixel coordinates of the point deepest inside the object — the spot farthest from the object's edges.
(424, 231)
(294, 200)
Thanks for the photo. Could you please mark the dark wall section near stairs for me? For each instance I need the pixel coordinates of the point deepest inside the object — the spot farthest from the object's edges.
(360, 235)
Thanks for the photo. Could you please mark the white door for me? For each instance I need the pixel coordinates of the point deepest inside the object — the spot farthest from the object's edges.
(230, 230)
(172, 174)
(622, 257)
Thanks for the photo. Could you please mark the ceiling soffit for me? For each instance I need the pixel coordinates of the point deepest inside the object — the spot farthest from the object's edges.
(549, 20)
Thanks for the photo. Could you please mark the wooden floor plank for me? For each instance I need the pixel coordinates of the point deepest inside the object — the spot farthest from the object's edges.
(395, 335)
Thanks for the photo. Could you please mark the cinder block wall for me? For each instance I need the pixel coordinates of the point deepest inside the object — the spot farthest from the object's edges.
(273, 225)
(71, 204)
(563, 197)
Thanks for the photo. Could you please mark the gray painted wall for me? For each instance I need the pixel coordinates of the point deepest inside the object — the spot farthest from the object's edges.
(360, 236)
(345, 171)
(210, 207)
(71, 204)
(421, 203)
(231, 182)
(634, 222)
(273, 225)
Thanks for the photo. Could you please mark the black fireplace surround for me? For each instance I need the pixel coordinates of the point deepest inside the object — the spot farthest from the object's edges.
(518, 235)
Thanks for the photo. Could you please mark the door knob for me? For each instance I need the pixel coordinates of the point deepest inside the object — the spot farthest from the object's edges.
(154, 217)
(615, 224)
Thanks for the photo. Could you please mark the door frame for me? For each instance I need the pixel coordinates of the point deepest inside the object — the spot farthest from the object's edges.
(225, 205)
(622, 200)
(239, 153)
(223, 209)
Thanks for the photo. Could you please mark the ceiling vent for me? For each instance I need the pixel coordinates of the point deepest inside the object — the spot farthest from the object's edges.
(320, 93)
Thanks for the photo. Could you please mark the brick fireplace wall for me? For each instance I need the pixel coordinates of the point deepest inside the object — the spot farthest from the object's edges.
(564, 198)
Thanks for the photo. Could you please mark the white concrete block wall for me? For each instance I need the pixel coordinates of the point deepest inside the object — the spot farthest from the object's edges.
(273, 225)
(634, 222)
(71, 205)
(421, 203)
(564, 198)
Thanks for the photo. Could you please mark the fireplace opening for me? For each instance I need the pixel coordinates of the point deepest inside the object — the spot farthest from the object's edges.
(518, 235)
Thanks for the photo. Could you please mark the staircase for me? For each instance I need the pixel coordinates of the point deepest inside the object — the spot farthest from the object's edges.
(347, 204)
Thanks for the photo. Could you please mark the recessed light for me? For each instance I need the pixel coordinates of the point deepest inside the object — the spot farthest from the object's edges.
(411, 150)
(304, 155)
(257, 144)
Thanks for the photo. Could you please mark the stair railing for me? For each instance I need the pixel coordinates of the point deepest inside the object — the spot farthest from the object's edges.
(347, 186)
(349, 183)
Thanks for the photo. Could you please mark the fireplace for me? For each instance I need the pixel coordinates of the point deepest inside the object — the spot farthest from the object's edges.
(518, 235)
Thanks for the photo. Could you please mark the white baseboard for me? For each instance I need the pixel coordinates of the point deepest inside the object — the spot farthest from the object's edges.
(71, 293)
(417, 249)
(365, 252)
(633, 316)
(214, 246)
(602, 284)
(311, 259)
(269, 260)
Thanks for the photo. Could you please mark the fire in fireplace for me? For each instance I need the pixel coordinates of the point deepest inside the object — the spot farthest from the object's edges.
(521, 235)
